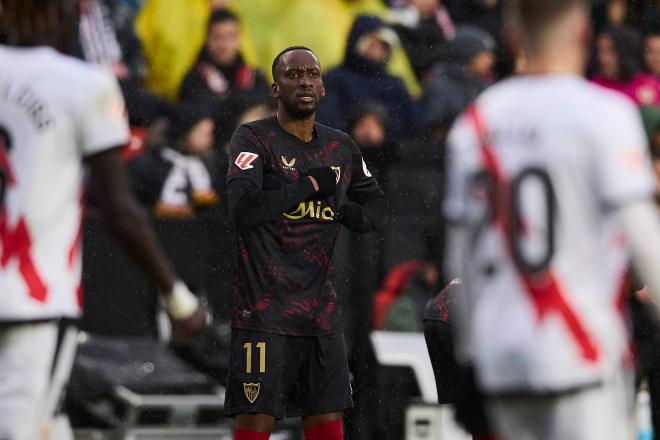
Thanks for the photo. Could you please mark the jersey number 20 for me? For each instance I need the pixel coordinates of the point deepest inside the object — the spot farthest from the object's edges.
(506, 207)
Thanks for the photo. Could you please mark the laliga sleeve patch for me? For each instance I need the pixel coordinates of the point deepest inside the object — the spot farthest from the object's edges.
(245, 159)
(365, 169)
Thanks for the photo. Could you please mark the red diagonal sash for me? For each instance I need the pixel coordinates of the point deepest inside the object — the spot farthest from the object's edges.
(542, 288)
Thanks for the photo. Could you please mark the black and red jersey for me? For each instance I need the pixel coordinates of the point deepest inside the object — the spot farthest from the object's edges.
(286, 236)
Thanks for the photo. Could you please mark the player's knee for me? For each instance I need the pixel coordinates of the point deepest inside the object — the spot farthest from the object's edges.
(328, 430)
(253, 426)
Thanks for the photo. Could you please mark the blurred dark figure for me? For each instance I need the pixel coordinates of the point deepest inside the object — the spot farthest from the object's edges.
(405, 314)
(99, 43)
(367, 126)
(454, 84)
(611, 13)
(182, 176)
(362, 78)
(484, 14)
(451, 379)
(645, 86)
(618, 59)
(398, 306)
(220, 78)
(423, 27)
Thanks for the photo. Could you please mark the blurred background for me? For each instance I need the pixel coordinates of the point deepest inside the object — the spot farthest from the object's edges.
(397, 73)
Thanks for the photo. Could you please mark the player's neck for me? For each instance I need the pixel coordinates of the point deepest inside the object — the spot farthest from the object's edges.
(303, 129)
(558, 62)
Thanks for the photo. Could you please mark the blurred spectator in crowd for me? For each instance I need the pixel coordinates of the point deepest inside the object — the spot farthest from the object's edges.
(610, 13)
(455, 83)
(645, 86)
(221, 77)
(99, 44)
(484, 14)
(181, 176)
(406, 312)
(423, 27)
(651, 117)
(617, 59)
(367, 126)
(171, 33)
(362, 78)
(400, 304)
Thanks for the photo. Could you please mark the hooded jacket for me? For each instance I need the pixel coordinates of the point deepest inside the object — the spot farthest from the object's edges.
(450, 88)
(358, 80)
(229, 90)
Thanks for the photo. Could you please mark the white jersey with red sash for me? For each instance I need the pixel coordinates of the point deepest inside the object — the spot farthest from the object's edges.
(536, 169)
(54, 111)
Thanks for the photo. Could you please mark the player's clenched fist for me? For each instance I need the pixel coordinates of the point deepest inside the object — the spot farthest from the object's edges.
(188, 316)
(351, 215)
(324, 180)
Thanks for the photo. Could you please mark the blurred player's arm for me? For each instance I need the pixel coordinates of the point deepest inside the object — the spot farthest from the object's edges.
(367, 209)
(249, 204)
(639, 221)
(129, 224)
(627, 185)
(102, 129)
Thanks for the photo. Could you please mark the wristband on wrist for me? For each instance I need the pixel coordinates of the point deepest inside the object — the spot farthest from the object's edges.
(181, 303)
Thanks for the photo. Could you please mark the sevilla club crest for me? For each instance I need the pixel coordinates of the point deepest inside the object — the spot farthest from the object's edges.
(251, 391)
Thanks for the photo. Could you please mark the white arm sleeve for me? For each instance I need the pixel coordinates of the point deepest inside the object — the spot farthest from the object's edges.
(639, 221)
(103, 121)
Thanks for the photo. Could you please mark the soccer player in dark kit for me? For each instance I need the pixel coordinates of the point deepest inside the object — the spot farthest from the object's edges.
(292, 183)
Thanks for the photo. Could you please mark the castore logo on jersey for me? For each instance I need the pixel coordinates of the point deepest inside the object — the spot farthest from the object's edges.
(288, 164)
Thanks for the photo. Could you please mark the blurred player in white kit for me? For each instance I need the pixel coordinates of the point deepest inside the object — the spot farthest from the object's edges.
(550, 192)
(56, 115)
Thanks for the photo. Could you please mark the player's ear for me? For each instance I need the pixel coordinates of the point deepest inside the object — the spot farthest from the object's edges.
(322, 89)
(275, 90)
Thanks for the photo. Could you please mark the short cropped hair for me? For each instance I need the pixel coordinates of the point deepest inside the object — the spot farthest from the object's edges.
(278, 57)
(534, 16)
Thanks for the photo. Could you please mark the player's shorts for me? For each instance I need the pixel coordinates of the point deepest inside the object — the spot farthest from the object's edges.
(287, 376)
(35, 363)
(603, 412)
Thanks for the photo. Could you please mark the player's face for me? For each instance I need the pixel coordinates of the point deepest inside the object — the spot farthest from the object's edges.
(298, 84)
(222, 42)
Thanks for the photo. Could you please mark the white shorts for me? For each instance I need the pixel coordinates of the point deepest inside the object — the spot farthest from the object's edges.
(32, 377)
(603, 412)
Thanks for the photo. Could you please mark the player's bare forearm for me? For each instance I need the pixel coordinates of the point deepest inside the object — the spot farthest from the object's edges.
(249, 206)
(640, 224)
(127, 220)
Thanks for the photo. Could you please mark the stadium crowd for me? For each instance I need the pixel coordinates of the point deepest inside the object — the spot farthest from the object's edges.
(397, 74)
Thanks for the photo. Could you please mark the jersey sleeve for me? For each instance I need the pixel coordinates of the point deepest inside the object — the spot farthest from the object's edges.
(103, 121)
(246, 157)
(623, 166)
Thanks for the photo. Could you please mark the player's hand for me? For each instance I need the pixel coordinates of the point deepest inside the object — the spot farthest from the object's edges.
(188, 315)
(183, 330)
(326, 181)
(351, 215)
